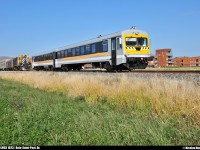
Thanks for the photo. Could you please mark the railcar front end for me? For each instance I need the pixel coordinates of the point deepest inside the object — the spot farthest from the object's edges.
(136, 48)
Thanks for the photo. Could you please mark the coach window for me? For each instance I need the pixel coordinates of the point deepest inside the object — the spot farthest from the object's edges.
(46, 57)
(77, 51)
(93, 48)
(51, 56)
(113, 45)
(87, 49)
(82, 50)
(119, 43)
(73, 52)
(105, 46)
(58, 55)
(62, 54)
(65, 53)
(99, 47)
(69, 52)
(41, 58)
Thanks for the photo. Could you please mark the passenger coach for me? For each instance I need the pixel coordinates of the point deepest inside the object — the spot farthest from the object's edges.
(125, 50)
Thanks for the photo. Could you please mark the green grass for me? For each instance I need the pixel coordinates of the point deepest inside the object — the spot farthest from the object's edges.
(33, 117)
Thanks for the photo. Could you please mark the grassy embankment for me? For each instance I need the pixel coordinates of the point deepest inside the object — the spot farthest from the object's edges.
(74, 109)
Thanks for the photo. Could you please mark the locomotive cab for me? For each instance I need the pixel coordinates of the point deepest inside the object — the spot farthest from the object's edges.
(136, 45)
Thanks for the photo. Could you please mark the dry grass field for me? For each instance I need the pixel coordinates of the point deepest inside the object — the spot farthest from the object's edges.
(161, 97)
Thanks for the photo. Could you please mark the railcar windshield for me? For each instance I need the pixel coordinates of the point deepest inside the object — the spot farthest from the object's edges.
(130, 41)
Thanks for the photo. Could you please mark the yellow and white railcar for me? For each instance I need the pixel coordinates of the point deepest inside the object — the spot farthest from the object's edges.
(128, 49)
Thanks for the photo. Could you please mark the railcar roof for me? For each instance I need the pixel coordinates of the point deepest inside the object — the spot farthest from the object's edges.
(94, 40)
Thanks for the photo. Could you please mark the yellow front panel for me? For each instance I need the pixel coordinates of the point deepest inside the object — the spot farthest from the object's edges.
(144, 50)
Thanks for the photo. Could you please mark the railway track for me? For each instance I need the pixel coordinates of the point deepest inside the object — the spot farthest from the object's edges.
(167, 71)
(147, 71)
(133, 71)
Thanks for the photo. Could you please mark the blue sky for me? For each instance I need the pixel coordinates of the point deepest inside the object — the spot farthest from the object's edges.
(34, 26)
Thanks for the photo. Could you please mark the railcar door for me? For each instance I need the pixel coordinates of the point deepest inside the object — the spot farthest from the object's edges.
(113, 52)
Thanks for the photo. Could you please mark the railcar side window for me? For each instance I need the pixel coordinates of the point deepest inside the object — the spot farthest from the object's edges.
(119, 44)
(73, 52)
(82, 50)
(62, 54)
(51, 56)
(41, 58)
(99, 47)
(48, 57)
(93, 48)
(58, 55)
(69, 52)
(77, 51)
(45, 57)
(65, 53)
(113, 45)
(105, 46)
(87, 49)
